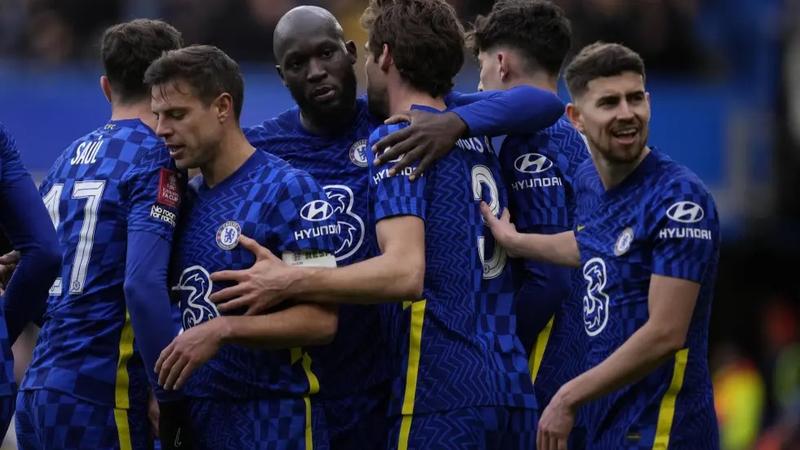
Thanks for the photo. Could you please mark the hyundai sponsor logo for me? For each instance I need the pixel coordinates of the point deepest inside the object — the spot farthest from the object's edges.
(532, 163)
(316, 211)
(685, 212)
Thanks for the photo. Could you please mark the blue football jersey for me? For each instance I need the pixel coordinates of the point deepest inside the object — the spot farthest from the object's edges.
(539, 170)
(11, 167)
(339, 163)
(659, 220)
(11, 170)
(284, 210)
(116, 179)
(456, 347)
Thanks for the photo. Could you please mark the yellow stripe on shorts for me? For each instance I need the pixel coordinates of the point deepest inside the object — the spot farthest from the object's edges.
(122, 385)
(537, 352)
(412, 372)
(666, 412)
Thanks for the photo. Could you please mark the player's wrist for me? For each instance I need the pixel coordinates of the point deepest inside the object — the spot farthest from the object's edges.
(223, 330)
(457, 124)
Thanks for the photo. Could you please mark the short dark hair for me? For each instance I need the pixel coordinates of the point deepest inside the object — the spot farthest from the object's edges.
(425, 38)
(538, 29)
(207, 69)
(598, 60)
(128, 49)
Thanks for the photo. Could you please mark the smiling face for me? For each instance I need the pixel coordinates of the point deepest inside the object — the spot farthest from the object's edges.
(191, 128)
(614, 113)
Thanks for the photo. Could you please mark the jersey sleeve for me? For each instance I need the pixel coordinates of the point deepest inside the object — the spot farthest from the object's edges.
(154, 190)
(302, 219)
(537, 186)
(519, 110)
(11, 167)
(685, 231)
(394, 195)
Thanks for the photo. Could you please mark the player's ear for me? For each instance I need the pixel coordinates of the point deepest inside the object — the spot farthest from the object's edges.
(574, 116)
(224, 106)
(502, 65)
(280, 73)
(105, 86)
(352, 51)
(385, 60)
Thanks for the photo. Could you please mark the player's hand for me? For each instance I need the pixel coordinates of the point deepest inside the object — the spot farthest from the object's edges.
(504, 232)
(8, 263)
(258, 288)
(555, 424)
(174, 425)
(429, 137)
(188, 351)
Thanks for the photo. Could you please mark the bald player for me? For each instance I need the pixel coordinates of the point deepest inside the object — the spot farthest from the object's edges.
(326, 135)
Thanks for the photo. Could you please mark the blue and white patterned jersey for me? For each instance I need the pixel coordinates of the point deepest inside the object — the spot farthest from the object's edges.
(539, 170)
(659, 220)
(285, 210)
(11, 170)
(115, 180)
(339, 163)
(456, 347)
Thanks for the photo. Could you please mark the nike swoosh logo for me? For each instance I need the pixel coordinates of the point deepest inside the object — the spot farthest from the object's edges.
(178, 443)
(581, 227)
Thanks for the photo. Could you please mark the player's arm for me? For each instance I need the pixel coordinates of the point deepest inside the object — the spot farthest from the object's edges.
(152, 193)
(671, 303)
(560, 248)
(292, 325)
(520, 110)
(29, 229)
(395, 275)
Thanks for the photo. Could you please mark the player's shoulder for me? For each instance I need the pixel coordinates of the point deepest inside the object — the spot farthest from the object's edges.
(673, 178)
(277, 127)
(274, 169)
(8, 146)
(384, 130)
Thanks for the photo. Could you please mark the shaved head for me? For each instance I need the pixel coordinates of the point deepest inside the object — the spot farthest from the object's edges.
(301, 23)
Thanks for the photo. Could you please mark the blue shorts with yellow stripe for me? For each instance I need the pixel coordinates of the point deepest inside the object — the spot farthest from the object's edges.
(274, 424)
(473, 428)
(49, 419)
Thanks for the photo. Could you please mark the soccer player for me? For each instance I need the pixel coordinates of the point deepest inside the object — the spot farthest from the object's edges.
(647, 241)
(113, 195)
(525, 42)
(326, 135)
(252, 380)
(460, 376)
(28, 227)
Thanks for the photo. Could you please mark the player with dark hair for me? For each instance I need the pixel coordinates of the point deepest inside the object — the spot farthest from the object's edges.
(326, 134)
(525, 42)
(460, 377)
(249, 379)
(647, 241)
(30, 232)
(113, 196)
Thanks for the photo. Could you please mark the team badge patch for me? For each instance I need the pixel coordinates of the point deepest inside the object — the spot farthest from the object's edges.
(228, 235)
(623, 242)
(169, 191)
(358, 153)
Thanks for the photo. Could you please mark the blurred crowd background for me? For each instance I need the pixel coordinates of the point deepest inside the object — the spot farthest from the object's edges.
(724, 78)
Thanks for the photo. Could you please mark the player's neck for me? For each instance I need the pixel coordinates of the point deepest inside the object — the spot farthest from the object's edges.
(612, 173)
(234, 150)
(332, 124)
(139, 110)
(540, 80)
(402, 97)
